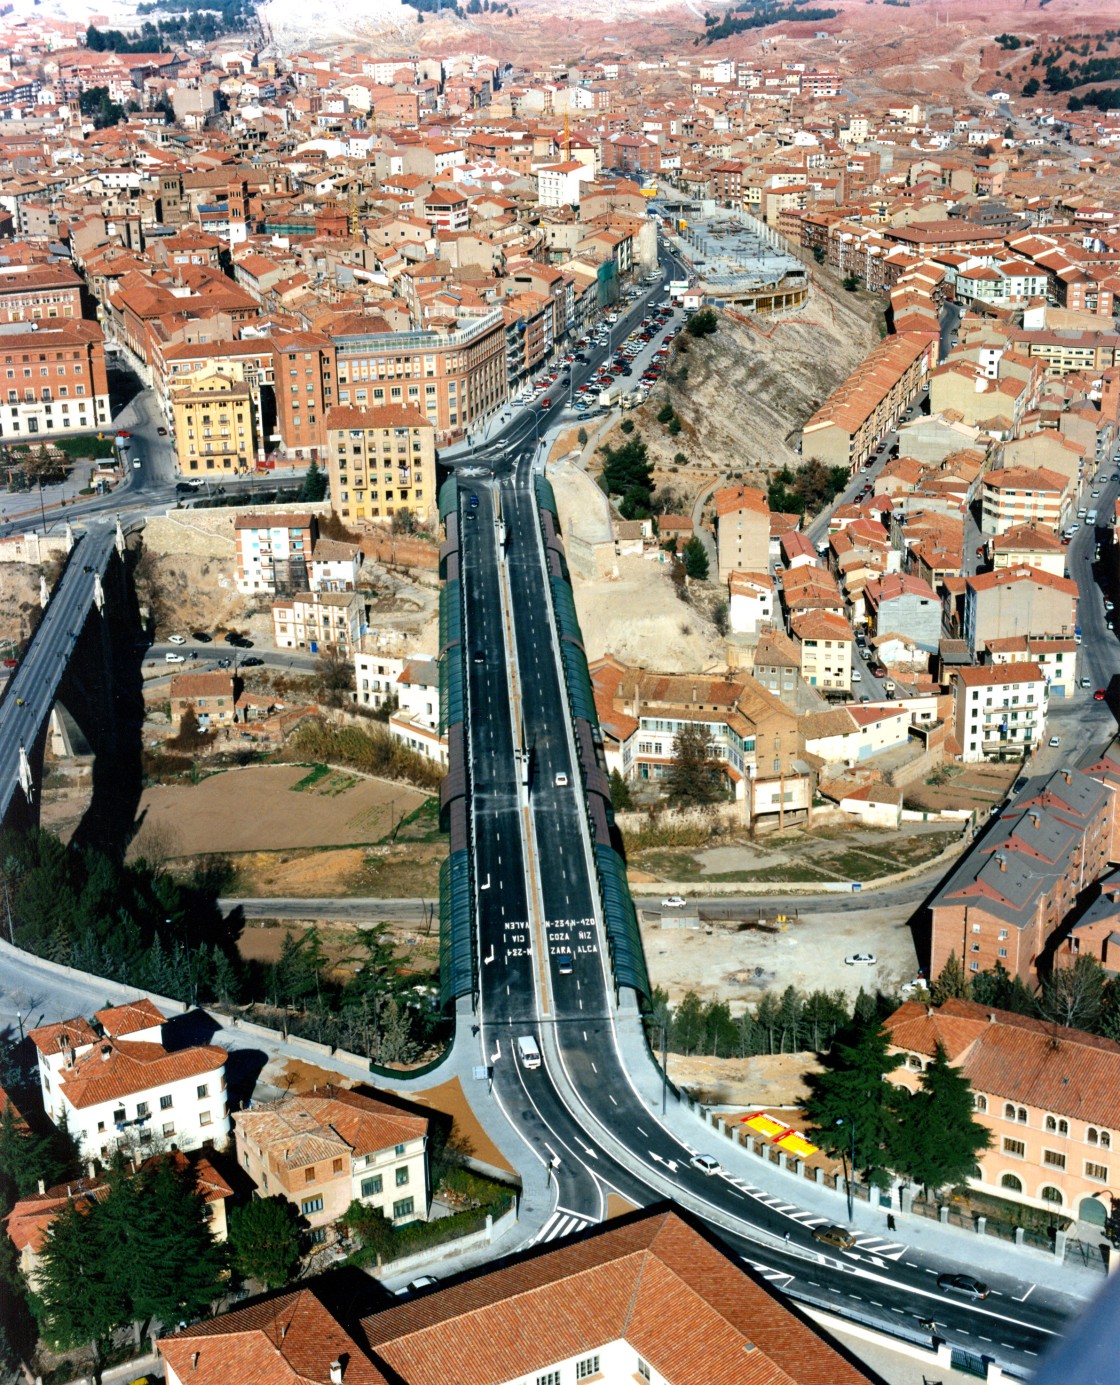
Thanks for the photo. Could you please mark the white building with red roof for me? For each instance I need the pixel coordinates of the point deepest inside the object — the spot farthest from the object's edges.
(117, 1086)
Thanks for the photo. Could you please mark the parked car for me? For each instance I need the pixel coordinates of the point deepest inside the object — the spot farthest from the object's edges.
(253, 661)
(162, 431)
(201, 636)
(856, 958)
(967, 1285)
(1099, 695)
(1054, 742)
(177, 639)
(673, 901)
(834, 1236)
(170, 658)
(706, 1164)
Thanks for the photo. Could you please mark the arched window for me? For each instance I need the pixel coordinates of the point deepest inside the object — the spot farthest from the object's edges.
(1063, 1127)
(980, 1103)
(914, 1062)
(1022, 1115)
(1091, 1135)
(1106, 1140)
(1051, 1123)
(1049, 1194)
(1009, 1112)
(1009, 1180)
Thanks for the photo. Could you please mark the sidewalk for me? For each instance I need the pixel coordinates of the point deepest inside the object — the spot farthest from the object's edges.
(953, 1245)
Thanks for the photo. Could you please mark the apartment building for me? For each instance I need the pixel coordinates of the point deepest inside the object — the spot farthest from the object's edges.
(1063, 353)
(847, 427)
(415, 723)
(1015, 496)
(901, 604)
(212, 697)
(1029, 545)
(455, 378)
(1017, 601)
(742, 530)
(1004, 900)
(38, 292)
(274, 551)
(214, 423)
(999, 710)
(598, 1307)
(382, 461)
(1052, 1137)
(323, 1149)
(750, 603)
(54, 380)
(1056, 658)
(117, 1087)
(319, 621)
(825, 642)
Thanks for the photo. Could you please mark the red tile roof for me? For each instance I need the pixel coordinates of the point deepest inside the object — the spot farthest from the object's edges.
(110, 1070)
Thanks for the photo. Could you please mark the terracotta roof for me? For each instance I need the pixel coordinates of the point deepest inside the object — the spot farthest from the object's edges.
(120, 1020)
(54, 1038)
(299, 1130)
(110, 1070)
(732, 498)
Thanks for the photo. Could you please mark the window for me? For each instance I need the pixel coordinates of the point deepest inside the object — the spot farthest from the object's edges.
(403, 1208)
(1016, 1148)
(204, 1118)
(399, 1151)
(1049, 1194)
(1091, 1136)
(643, 1368)
(979, 1103)
(202, 1092)
(371, 1186)
(1097, 1172)
(169, 1129)
(336, 1166)
(165, 1103)
(143, 1110)
(1021, 1115)
(118, 1116)
(1054, 1158)
(309, 1174)
(1012, 1182)
(586, 1368)
(549, 1378)
(1106, 1140)
(402, 1176)
(311, 1204)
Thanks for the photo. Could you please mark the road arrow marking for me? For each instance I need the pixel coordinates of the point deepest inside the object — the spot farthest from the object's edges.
(586, 1148)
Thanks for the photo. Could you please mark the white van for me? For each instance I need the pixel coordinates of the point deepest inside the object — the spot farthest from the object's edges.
(1091, 517)
(530, 1053)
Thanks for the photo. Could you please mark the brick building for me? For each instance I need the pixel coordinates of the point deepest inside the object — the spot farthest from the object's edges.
(382, 460)
(54, 381)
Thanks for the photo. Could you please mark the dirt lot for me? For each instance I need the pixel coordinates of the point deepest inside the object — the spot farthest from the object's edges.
(262, 940)
(962, 786)
(770, 1080)
(270, 807)
(404, 871)
(723, 962)
(826, 854)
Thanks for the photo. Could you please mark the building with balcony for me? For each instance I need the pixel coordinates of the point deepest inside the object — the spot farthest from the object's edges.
(382, 461)
(54, 380)
(214, 423)
(319, 621)
(999, 710)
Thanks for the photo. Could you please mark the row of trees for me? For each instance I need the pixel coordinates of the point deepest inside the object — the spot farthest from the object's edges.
(760, 14)
(806, 490)
(1080, 997)
(793, 1022)
(137, 924)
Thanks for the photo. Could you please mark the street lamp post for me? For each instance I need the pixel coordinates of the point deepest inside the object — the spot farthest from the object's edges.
(850, 1123)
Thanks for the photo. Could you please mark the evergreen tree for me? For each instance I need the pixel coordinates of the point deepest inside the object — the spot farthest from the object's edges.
(621, 799)
(78, 1301)
(314, 484)
(185, 1262)
(1003, 992)
(937, 1139)
(767, 1018)
(264, 1241)
(688, 1024)
(227, 978)
(693, 777)
(720, 1031)
(24, 1158)
(952, 984)
(695, 559)
(852, 1094)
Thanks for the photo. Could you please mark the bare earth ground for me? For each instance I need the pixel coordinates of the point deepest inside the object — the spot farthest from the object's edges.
(808, 952)
(770, 1080)
(407, 870)
(19, 597)
(963, 786)
(260, 808)
(262, 940)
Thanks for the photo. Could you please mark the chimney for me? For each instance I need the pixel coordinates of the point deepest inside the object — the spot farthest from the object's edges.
(1067, 775)
(991, 1019)
(106, 1052)
(1001, 860)
(1036, 819)
(91, 1168)
(336, 1373)
(929, 1012)
(42, 1187)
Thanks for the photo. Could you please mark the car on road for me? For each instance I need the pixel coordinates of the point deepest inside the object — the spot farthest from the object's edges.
(706, 1164)
(834, 1236)
(479, 656)
(1054, 742)
(426, 1281)
(564, 964)
(1086, 682)
(673, 901)
(474, 502)
(856, 958)
(170, 658)
(177, 639)
(878, 670)
(162, 431)
(546, 402)
(1099, 695)
(967, 1285)
(253, 661)
(224, 663)
(201, 636)
(857, 677)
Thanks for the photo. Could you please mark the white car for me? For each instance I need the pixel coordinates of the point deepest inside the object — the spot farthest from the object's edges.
(176, 639)
(1054, 742)
(854, 958)
(706, 1164)
(673, 901)
(174, 659)
(857, 677)
(561, 780)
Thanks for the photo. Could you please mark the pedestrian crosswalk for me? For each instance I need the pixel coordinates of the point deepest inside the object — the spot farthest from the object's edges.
(769, 1273)
(870, 1245)
(562, 1223)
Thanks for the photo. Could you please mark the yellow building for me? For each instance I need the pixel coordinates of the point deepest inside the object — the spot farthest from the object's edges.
(213, 415)
(381, 461)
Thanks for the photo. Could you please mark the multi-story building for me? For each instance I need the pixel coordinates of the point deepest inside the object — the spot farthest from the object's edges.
(118, 1087)
(742, 530)
(1004, 900)
(602, 1307)
(999, 710)
(826, 650)
(54, 380)
(274, 551)
(455, 377)
(39, 292)
(212, 697)
(1017, 601)
(1047, 1094)
(899, 604)
(1014, 496)
(376, 677)
(415, 723)
(382, 461)
(323, 1149)
(214, 423)
(319, 621)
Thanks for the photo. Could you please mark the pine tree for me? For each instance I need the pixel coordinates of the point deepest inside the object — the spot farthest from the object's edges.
(952, 984)
(937, 1139)
(693, 776)
(78, 1300)
(264, 1241)
(227, 979)
(621, 800)
(186, 1262)
(314, 483)
(688, 1024)
(852, 1094)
